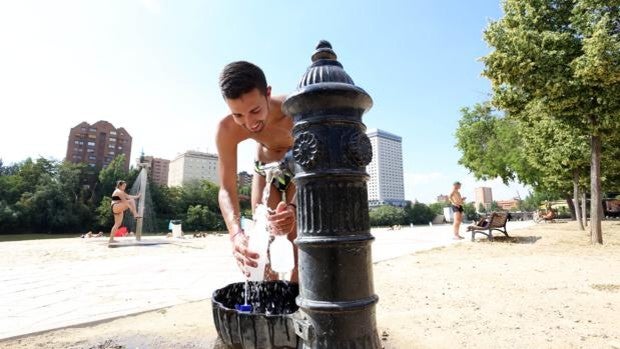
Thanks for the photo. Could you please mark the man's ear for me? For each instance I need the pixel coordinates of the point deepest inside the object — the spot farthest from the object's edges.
(268, 91)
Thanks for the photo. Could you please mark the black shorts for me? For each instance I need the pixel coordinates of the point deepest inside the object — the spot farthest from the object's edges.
(456, 209)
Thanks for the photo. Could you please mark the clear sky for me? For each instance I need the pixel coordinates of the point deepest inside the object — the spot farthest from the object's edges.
(152, 67)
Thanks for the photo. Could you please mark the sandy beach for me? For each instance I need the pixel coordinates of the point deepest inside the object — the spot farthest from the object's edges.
(547, 287)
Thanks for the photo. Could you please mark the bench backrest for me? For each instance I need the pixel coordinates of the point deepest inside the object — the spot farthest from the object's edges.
(498, 219)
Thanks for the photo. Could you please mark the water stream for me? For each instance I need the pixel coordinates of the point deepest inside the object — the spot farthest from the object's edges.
(149, 219)
(271, 170)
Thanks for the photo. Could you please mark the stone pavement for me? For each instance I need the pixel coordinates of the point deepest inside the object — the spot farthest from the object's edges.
(50, 284)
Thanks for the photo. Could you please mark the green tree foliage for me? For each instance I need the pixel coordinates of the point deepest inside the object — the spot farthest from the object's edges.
(51, 197)
(437, 207)
(419, 213)
(201, 218)
(57, 197)
(387, 215)
(112, 173)
(469, 211)
(490, 146)
(560, 57)
(494, 206)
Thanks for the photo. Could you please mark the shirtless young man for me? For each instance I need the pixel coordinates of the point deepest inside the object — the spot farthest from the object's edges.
(457, 207)
(254, 114)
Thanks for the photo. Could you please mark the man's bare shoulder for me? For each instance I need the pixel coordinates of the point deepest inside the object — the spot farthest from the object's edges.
(276, 105)
(279, 98)
(228, 131)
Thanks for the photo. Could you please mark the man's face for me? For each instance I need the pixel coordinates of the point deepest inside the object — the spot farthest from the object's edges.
(250, 110)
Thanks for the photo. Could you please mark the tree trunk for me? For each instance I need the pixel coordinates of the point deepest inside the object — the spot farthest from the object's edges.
(571, 206)
(576, 197)
(584, 209)
(596, 205)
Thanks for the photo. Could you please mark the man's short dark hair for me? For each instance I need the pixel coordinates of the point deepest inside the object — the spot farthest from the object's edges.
(241, 77)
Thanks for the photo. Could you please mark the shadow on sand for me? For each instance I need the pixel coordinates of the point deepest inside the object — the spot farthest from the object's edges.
(136, 243)
(514, 239)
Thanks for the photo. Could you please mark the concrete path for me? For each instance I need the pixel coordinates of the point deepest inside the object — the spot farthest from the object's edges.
(49, 284)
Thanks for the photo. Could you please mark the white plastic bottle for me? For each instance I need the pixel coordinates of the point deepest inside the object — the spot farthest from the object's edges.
(281, 254)
(258, 241)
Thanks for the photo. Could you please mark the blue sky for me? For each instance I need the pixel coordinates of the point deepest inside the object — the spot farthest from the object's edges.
(151, 66)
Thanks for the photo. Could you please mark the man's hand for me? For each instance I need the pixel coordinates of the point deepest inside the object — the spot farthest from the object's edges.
(243, 256)
(283, 221)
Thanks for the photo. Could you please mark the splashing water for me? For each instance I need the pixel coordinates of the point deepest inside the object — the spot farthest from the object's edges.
(260, 226)
(149, 219)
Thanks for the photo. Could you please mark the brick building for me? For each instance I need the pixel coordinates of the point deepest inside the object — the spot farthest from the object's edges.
(157, 169)
(98, 144)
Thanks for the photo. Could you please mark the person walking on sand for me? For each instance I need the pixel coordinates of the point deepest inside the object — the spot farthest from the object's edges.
(457, 207)
(121, 201)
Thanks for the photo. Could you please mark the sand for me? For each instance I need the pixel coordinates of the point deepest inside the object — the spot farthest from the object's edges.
(547, 287)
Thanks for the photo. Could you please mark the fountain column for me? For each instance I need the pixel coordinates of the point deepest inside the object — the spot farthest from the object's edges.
(331, 151)
(142, 177)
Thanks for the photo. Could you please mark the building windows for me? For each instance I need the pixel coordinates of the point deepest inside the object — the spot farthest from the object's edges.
(91, 144)
(111, 152)
(89, 150)
(111, 146)
(76, 142)
(92, 129)
(112, 133)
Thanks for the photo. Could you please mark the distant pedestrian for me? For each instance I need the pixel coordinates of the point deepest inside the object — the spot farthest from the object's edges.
(457, 207)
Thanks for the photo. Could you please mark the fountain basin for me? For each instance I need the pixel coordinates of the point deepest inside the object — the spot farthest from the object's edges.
(269, 325)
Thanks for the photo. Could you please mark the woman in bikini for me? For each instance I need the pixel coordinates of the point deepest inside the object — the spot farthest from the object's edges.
(122, 201)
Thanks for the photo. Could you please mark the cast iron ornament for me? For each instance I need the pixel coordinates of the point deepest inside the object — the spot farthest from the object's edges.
(306, 150)
(359, 149)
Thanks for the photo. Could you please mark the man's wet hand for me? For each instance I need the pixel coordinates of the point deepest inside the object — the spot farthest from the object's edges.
(243, 256)
(283, 221)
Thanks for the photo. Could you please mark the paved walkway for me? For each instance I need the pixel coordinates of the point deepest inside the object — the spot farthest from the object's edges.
(49, 284)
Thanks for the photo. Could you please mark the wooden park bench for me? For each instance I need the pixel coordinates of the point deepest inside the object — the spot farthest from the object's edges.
(497, 221)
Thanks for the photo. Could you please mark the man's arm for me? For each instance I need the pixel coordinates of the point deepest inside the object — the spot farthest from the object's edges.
(228, 197)
(227, 169)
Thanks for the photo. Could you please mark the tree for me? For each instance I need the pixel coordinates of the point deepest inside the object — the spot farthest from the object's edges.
(494, 206)
(419, 213)
(387, 215)
(564, 57)
(437, 207)
(490, 147)
(112, 173)
(201, 218)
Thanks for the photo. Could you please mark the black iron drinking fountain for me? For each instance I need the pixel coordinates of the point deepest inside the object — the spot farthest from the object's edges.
(336, 293)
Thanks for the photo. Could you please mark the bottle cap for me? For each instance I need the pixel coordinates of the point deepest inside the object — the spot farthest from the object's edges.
(244, 308)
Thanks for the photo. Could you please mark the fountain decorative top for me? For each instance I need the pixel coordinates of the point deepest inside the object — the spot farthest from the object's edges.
(324, 68)
(325, 85)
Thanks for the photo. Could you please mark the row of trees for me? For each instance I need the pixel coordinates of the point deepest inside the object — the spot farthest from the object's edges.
(418, 213)
(61, 197)
(554, 114)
